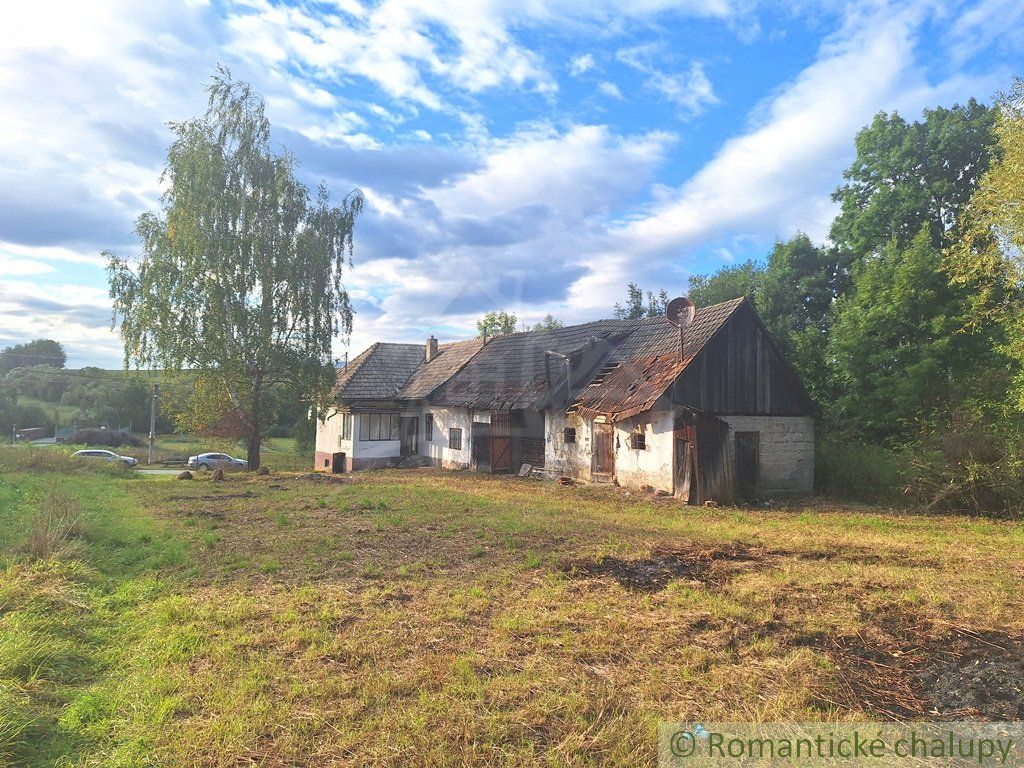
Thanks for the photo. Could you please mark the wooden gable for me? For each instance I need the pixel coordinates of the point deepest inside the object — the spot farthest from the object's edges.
(742, 371)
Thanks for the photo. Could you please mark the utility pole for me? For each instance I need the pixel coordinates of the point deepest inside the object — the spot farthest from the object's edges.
(152, 423)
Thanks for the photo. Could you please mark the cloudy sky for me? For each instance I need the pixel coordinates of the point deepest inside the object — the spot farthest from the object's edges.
(531, 155)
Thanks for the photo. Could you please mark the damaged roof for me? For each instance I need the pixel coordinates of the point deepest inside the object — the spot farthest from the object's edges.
(640, 369)
(631, 364)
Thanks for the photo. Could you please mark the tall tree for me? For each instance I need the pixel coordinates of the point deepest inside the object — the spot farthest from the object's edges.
(989, 252)
(636, 308)
(39, 352)
(729, 282)
(549, 323)
(240, 274)
(912, 175)
(496, 324)
(898, 349)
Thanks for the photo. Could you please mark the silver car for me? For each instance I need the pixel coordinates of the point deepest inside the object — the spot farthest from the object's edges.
(95, 453)
(207, 461)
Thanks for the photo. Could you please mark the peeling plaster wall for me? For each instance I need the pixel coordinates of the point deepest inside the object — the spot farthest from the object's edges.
(561, 458)
(785, 451)
(437, 449)
(651, 465)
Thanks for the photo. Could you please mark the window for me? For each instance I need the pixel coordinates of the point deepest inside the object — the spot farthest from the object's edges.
(428, 427)
(455, 439)
(378, 426)
(569, 434)
(637, 440)
(346, 426)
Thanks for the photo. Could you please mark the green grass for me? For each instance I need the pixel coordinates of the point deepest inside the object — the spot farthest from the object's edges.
(441, 618)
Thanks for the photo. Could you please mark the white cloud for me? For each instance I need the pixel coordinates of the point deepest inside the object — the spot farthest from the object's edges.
(610, 89)
(581, 64)
(690, 91)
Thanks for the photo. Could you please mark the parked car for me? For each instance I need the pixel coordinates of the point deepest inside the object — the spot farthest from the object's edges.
(96, 453)
(207, 461)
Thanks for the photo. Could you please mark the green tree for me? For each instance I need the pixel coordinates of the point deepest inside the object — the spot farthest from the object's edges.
(240, 275)
(496, 324)
(549, 323)
(39, 352)
(636, 307)
(897, 347)
(912, 175)
(726, 284)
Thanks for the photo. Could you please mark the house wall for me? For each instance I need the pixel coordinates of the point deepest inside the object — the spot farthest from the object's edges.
(785, 451)
(561, 458)
(329, 442)
(651, 465)
(437, 449)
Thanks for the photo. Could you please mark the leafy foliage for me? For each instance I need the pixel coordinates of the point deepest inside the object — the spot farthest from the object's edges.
(496, 324)
(635, 307)
(549, 323)
(240, 276)
(46, 352)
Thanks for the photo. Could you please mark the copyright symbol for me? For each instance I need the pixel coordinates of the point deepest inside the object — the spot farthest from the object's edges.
(682, 744)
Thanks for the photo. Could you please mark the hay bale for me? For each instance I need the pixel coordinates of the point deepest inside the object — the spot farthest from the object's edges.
(186, 475)
(218, 475)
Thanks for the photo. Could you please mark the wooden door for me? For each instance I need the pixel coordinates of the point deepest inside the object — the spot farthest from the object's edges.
(603, 464)
(501, 442)
(685, 474)
(407, 429)
(747, 460)
(481, 446)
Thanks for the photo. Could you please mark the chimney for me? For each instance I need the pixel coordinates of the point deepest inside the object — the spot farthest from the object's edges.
(431, 349)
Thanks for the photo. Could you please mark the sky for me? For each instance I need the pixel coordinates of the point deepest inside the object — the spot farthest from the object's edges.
(527, 155)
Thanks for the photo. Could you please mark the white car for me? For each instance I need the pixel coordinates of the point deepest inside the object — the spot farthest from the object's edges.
(96, 453)
(207, 461)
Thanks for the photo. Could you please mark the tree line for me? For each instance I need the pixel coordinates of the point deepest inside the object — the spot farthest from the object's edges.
(906, 325)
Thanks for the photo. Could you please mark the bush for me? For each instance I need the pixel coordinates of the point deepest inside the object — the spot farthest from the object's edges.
(854, 470)
(109, 438)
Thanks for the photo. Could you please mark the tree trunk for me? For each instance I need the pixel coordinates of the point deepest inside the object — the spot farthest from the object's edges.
(255, 425)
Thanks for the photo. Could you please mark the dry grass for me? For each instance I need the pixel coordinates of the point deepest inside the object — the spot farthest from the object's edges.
(54, 524)
(427, 617)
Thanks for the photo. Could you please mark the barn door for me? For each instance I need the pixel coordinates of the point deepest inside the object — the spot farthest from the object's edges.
(501, 442)
(685, 471)
(747, 459)
(407, 429)
(603, 464)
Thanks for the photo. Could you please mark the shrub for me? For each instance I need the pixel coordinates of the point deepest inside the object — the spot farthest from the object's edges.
(854, 470)
(109, 438)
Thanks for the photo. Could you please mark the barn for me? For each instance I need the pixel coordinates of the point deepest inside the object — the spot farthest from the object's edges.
(701, 404)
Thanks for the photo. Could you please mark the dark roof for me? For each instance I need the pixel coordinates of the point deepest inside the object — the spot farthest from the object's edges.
(645, 364)
(429, 376)
(378, 372)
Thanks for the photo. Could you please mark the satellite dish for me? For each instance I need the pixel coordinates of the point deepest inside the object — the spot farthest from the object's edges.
(680, 311)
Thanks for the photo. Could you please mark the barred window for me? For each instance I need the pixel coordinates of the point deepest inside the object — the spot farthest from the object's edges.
(455, 439)
(569, 434)
(638, 441)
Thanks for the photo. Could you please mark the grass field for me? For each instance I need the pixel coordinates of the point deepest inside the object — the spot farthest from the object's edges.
(444, 618)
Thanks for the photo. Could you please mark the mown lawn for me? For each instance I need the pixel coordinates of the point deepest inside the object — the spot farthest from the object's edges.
(443, 618)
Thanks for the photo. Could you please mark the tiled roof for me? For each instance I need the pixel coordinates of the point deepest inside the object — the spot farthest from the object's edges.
(429, 376)
(378, 372)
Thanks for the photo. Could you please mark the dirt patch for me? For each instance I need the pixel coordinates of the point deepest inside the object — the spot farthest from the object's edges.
(985, 678)
(213, 496)
(651, 574)
(320, 478)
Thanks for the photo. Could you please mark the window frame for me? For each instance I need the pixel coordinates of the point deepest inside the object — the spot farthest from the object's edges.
(428, 427)
(378, 426)
(569, 435)
(638, 440)
(454, 432)
(346, 426)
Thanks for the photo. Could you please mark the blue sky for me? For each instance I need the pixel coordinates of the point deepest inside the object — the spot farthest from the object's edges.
(531, 155)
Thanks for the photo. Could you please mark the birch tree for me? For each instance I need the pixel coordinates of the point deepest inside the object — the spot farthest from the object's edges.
(240, 273)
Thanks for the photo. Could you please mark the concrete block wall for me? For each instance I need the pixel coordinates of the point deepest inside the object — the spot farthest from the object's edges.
(786, 451)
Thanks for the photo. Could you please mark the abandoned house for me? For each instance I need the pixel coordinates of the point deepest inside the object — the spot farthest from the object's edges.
(700, 403)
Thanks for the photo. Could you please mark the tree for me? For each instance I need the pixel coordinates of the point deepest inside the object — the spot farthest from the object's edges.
(39, 352)
(989, 250)
(912, 175)
(635, 307)
(897, 347)
(240, 273)
(549, 323)
(496, 324)
(726, 284)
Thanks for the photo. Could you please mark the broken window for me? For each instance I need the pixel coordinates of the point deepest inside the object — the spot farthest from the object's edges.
(569, 434)
(455, 439)
(428, 426)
